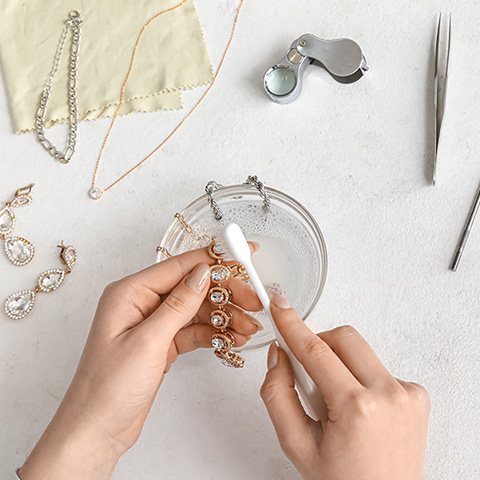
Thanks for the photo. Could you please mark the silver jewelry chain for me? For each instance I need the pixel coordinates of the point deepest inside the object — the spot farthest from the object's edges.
(253, 180)
(212, 187)
(210, 190)
(73, 24)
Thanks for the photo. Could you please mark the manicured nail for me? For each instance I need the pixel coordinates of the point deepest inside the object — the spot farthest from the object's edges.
(255, 246)
(272, 358)
(279, 301)
(256, 322)
(198, 279)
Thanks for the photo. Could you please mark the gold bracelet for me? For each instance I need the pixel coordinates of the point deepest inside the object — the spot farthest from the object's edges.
(221, 318)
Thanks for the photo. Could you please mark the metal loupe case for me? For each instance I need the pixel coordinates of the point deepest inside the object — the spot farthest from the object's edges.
(342, 58)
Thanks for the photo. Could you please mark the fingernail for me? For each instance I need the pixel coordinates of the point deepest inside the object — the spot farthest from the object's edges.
(255, 246)
(279, 301)
(198, 279)
(272, 358)
(256, 322)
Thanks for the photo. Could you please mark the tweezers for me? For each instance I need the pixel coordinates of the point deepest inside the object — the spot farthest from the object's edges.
(466, 232)
(442, 60)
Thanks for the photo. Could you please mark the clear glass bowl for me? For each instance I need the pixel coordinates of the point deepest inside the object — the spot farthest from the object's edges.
(292, 258)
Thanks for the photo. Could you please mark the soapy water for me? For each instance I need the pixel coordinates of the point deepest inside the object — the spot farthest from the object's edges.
(287, 261)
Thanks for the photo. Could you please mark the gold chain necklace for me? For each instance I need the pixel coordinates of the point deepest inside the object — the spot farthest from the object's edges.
(96, 192)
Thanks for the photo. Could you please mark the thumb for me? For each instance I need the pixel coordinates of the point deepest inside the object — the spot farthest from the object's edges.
(181, 305)
(289, 419)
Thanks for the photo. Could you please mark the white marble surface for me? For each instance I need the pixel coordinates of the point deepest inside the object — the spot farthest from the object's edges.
(357, 156)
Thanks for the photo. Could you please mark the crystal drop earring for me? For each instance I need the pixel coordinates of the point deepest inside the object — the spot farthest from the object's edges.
(18, 250)
(20, 304)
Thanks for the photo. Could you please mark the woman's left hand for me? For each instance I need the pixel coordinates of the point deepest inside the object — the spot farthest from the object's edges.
(143, 322)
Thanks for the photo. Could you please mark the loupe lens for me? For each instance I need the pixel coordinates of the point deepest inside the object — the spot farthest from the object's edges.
(280, 81)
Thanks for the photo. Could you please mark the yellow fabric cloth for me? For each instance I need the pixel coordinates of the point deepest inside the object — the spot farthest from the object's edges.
(172, 56)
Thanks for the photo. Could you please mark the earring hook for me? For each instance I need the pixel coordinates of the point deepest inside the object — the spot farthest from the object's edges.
(68, 255)
(25, 190)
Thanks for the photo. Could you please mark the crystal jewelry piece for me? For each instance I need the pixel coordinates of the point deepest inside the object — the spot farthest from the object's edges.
(219, 273)
(223, 341)
(73, 24)
(95, 193)
(230, 359)
(221, 318)
(20, 304)
(220, 296)
(18, 250)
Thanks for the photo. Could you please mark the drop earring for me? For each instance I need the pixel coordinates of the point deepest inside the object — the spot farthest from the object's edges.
(20, 304)
(18, 250)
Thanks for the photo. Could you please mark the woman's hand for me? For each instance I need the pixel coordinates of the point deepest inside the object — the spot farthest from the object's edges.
(143, 322)
(375, 426)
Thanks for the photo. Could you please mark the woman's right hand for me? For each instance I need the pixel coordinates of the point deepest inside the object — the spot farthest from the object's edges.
(375, 426)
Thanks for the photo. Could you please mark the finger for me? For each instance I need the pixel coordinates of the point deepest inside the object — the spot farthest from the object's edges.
(199, 335)
(164, 276)
(358, 356)
(331, 376)
(244, 296)
(292, 425)
(417, 392)
(242, 322)
(180, 306)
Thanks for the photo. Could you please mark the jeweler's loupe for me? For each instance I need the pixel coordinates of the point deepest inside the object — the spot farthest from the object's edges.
(342, 58)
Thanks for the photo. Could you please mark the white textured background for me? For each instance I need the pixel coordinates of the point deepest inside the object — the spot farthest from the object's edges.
(358, 157)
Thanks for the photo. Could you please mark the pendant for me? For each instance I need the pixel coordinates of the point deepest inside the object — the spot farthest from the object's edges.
(95, 193)
(19, 251)
(20, 304)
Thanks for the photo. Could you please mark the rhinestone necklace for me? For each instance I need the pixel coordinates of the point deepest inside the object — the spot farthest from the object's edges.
(96, 192)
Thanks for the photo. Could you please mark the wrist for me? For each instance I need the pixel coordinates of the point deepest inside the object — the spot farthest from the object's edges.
(69, 449)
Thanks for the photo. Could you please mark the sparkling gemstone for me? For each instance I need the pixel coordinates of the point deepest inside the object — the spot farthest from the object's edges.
(5, 220)
(70, 256)
(219, 274)
(217, 297)
(50, 280)
(217, 320)
(218, 343)
(19, 304)
(95, 193)
(19, 250)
